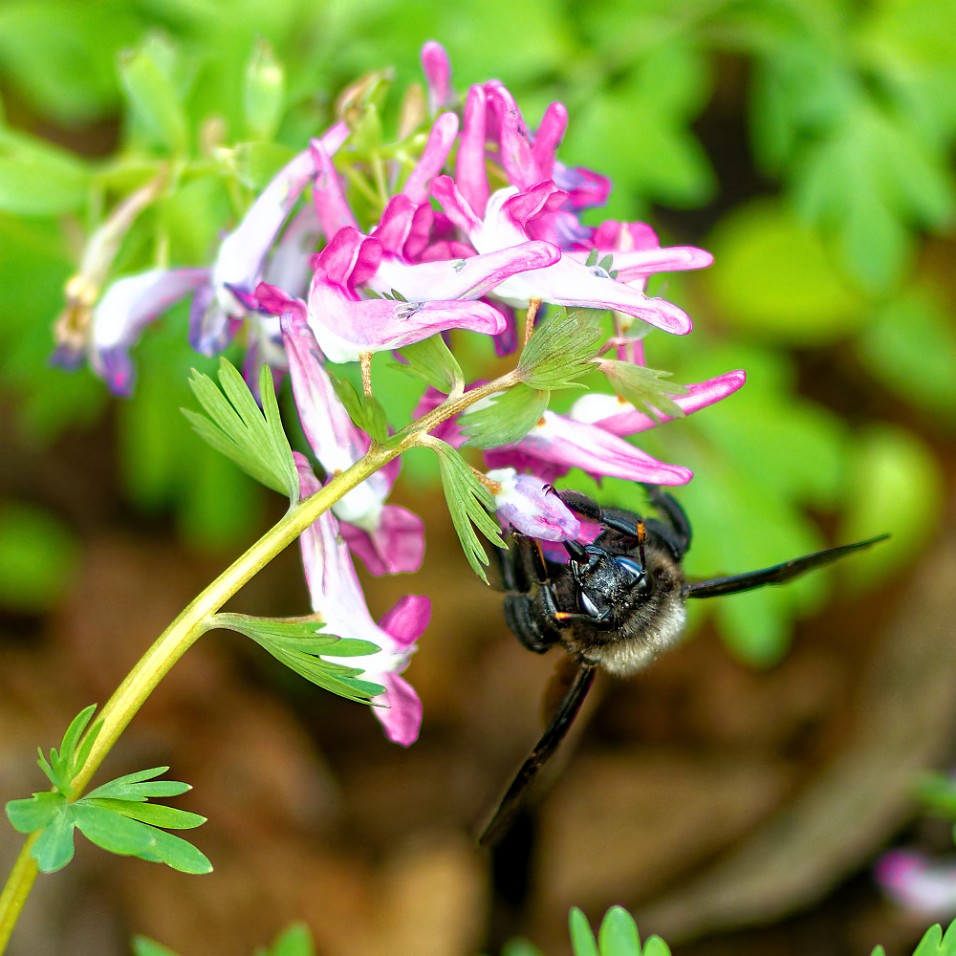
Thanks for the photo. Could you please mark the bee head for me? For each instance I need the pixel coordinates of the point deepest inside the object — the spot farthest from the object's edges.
(605, 581)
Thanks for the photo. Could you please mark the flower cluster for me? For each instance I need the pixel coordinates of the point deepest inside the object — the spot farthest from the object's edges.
(479, 228)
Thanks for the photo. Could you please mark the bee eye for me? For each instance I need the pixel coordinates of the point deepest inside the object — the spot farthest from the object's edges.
(588, 606)
(634, 570)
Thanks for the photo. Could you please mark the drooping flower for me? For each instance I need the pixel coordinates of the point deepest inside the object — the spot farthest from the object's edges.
(347, 326)
(567, 282)
(530, 505)
(337, 596)
(556, 443)
(619, 417)
(241, 260)
(125, 309)
(918, 883)
(388, 538)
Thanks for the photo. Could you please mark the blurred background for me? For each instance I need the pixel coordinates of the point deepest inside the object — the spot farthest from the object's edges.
(735, 796)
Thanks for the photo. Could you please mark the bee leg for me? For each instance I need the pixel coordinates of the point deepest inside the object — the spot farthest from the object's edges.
(526, 577)
(676, 517)
(588, 508)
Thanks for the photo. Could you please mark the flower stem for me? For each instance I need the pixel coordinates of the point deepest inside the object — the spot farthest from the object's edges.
(173, 643)
(17, 890)
(196, 619)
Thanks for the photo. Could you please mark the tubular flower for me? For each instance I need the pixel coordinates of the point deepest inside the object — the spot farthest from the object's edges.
(529, 505)
(619, 417)
(126, 308)
(347, 326)
(918, 883)
(337, 595)
(241, 261)
(557, 443)
(567, 282)
(388, 538)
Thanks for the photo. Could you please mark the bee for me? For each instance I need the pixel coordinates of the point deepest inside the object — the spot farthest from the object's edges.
(614, 604)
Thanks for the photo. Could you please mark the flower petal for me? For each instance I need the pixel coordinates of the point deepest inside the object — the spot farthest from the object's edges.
(619, 417)
(529, 505)
(564, 443)
(394, 545)
(401, 717)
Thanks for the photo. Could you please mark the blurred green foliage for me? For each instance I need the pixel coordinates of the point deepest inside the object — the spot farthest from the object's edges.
(807, 144)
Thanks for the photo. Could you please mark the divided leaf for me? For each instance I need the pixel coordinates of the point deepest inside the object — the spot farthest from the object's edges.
(647, 389)
(561, 349)
(432, 360)
(301, 645)
(235, 425)
(504, 418)
(365, 411)
(469, 503)
(115, 817)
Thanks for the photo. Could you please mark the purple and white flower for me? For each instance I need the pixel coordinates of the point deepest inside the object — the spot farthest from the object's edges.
(337, 596)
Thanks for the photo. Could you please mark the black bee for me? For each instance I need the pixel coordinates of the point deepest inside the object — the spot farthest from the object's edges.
(615, 604)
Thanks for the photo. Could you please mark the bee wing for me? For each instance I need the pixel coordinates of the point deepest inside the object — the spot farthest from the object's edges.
(777, 574)
(511, 802)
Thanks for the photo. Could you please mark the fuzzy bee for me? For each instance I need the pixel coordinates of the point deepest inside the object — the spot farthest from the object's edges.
(615, 604)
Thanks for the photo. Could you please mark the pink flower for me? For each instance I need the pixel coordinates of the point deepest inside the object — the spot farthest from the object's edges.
(556, 444)
(388, 538)
(918, 883)
(337, 596)
(241, 261)
(567, 282)
(618, 417)
(530, 505)
(347, 326)
(121, 315)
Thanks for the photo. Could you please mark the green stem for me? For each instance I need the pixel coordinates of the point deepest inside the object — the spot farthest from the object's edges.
(17, 890)
(174, 642)
(194, 620)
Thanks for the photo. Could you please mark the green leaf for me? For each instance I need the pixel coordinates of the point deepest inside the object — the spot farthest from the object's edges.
(618, 935)
(38, 556)
(140, 786)
(235, 426)
(365, 411)
(647, 389)
(777, 279)
(154, 102)
(561, 348)
(910, 344)
(897, 487)
(934, 943)
(655, 946)
(504, 418)
(301, 645)
(469, 503)
(54, 847)
(296, 940)
(155, 814)
(127, 837)
(148, 947)
(263, 94)
(37, 179)
(582, 939)
(432, 360)
(36, 812)
(64, 763)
